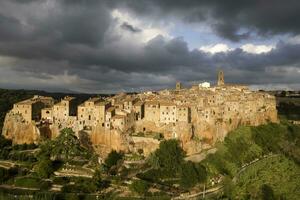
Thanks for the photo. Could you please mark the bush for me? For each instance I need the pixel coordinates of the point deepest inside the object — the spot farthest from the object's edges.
(44, 168)
(45, 185)
(29, 182)
(61, 180)
(4, 142)
(192, 174)
(113, 158)
(139, 186)
(6, 174)
(168, 157)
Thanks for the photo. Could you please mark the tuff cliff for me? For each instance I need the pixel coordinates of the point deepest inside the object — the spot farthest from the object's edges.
(19, 131)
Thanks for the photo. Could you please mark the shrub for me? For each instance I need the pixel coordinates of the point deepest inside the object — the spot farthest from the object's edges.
(29, 182)
(139, 186)
(61, 180)
(45, 185)
(113, 158)
(44, 168)
(168, 157)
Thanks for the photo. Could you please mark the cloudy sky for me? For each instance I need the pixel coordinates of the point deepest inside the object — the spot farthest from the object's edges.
(103, 46)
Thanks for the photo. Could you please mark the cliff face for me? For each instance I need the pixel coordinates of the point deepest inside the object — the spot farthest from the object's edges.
(105, 140)
(20, 132)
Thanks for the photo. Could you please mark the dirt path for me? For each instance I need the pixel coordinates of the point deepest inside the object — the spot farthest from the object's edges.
(200, 156)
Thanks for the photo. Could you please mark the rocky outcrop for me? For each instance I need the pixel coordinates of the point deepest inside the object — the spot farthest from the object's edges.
(105, 140)
(19, 131)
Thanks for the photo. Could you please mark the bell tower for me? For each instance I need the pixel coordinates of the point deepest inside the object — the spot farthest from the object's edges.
(220, 78)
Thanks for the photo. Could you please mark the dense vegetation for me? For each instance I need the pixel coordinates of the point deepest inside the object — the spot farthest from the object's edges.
(167, 163)
(269, 155)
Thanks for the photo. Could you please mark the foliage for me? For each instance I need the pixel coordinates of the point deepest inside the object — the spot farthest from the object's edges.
(279, 173)
(113, 158)
(270, 154)
(139, 186)
(168, 157)
(65, 147)
(60, 180)
(4, 142)
(81, 185)
(30, 182)
(24, 146)
(267, 192)
(191, 174)
(290, 110)
(44, 168)
(98, 181)
(21, 156)
(6, 174)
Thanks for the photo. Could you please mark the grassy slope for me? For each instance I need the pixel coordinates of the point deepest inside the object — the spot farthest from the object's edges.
(280, 173)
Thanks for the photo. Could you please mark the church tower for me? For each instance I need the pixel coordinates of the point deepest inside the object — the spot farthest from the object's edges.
(221, 78)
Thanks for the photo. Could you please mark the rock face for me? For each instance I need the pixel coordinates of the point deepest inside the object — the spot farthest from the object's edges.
(105, 140)
(19, 131)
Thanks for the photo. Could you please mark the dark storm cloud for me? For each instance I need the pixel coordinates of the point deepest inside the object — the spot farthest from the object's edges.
(131, 28)
(76, 45)
(264, 17)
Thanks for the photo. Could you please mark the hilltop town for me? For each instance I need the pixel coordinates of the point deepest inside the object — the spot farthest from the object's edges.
(197, 116)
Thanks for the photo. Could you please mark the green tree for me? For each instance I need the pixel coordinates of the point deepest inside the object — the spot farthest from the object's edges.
(44, 168)
(168, 157)
(267, 192)
(113, 158)
(139, 186)
(189, 176)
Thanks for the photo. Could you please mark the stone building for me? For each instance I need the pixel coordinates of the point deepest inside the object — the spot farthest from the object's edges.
(30, 109)
(62, 110)
(152, 111)
(167, 112)
(92, 112)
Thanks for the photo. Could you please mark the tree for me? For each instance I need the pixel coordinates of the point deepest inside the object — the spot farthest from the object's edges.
(139, 186)
(267, 192)
(4, 142)
(168, 157)
(189, 176)
(98, 182)
(44, 168)
(113, 158)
